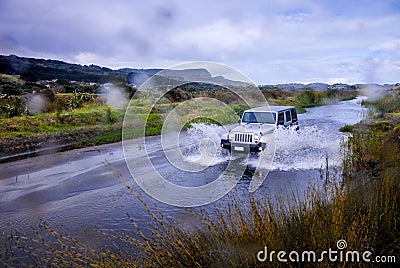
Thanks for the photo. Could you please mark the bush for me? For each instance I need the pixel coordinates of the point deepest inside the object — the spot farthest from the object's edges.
(346, 128)
(177, 95)
(382, 126)
(79, 99)
(276, 94)
(48, 94)
(11, 106)
(227, 96)
(310, 98)
(389, 104)
(239, 109)
(10, 89)
(204, 120)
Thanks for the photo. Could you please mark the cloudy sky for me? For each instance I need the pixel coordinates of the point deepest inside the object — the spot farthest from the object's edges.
(277, 41)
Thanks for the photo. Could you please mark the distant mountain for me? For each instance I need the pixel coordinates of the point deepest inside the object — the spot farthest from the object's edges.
(33, 70)
(290, 86)
(139, 76)
(311, 86)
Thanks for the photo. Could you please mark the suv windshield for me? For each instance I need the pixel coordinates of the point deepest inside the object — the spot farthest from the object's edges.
(259, 117)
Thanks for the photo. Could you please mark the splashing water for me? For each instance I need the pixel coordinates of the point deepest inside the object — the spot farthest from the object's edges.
(317, 141)
(36, 104)
(205, 144)
(306, 148)
(303, 149)
(113, 96)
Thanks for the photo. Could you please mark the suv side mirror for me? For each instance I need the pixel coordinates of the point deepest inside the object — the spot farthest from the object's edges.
(239, 120)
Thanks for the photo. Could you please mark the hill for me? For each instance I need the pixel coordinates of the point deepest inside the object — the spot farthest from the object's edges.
(20, 74)
(34, 70)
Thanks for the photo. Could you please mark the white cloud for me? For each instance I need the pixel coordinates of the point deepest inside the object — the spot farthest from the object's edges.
(283, 41)
(221, 36)
(386, 45)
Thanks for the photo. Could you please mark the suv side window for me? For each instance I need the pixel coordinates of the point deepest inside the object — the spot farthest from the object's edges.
(281, 119)
(294, 115)
(288, 116)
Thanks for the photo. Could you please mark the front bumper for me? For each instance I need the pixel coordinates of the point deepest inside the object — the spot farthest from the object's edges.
(242, 147)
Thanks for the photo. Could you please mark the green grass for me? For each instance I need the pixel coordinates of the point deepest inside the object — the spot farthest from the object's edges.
(51, 122)
(289, 102)
(110, 136)
(204, 120)
(83, 126)
(311, 98)
(95, 123)
(89, 113)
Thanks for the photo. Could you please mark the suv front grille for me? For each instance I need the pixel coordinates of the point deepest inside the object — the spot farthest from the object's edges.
(243, 137)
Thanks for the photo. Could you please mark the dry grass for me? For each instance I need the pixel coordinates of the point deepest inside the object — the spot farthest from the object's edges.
(365, 215)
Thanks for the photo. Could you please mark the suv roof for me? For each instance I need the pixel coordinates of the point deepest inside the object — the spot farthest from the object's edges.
(270, 109)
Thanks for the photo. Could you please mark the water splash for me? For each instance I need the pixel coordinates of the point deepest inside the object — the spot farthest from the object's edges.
(295, 150)
(317, 142)
(307, 148)
(113, 96)
(36, 104)
(204, 144)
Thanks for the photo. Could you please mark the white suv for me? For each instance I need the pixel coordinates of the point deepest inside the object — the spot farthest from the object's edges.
(255, 124)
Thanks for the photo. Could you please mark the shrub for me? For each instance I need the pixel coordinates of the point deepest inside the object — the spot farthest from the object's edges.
(389, 104)
(346, 128)
(310, 98)
(10, 89)
(177, 95)
(239, 109)
(79, 99)
(11, 106)
(205, 120)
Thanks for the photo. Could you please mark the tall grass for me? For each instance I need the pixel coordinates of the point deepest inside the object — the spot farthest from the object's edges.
(388, 104)
(310, 98)
(365, 213)
(232, 236)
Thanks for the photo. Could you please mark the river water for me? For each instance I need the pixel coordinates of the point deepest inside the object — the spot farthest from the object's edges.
(83, 190)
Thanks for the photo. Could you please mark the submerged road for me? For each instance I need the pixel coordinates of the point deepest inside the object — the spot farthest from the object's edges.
(85, 189)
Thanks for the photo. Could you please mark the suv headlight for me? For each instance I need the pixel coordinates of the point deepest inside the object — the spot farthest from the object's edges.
(256, 136)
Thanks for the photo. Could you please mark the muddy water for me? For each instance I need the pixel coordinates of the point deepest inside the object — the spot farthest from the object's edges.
(82, 190)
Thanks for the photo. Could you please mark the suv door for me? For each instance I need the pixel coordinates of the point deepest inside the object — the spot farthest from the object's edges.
(281, 119)
(295, 121)
(294, 116)
(288, 118)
